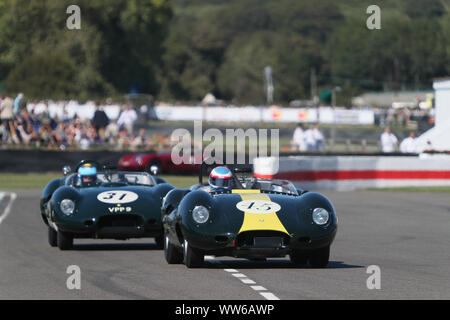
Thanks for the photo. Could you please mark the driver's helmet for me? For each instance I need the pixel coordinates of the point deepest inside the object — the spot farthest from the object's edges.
(220, 178)
(87, 174)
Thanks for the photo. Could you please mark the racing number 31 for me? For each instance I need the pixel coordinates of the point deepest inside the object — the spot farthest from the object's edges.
(117, 196)
(113, 196)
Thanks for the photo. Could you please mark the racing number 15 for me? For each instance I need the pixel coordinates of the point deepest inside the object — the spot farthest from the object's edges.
(261, 207)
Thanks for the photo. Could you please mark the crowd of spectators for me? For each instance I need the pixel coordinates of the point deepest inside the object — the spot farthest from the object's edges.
(310, 139)
(22, 126)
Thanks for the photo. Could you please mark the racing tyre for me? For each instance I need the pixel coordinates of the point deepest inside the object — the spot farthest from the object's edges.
(298, 257)
(319, 258)
(171, 253)
(64, 240)
(193, 258)
(52, 237)
(159, 241)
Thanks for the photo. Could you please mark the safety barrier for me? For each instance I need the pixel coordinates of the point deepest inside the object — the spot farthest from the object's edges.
(356, 172)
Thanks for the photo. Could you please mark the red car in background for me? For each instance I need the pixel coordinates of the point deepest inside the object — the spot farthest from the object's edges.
(162, 160)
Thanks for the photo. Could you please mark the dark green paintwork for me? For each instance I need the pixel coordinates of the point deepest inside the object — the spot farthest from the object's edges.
(88, 208)
(226, 220)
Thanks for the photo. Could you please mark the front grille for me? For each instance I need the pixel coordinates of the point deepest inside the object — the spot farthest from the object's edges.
(121, 220)
(247, 238)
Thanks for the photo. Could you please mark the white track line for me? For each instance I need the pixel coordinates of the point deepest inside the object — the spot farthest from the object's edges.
(245, 280)
(239, 275)
(258, 288)
(269, 296)
(5, 213)
(248, 281)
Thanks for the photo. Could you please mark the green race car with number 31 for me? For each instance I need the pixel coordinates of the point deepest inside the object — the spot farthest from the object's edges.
(101, 203)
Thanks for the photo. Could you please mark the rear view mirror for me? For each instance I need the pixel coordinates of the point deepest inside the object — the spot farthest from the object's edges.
(154, 170)
(66, 170)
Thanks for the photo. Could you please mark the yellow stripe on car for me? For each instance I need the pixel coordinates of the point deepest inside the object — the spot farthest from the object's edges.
(245, 191)
(266, 219)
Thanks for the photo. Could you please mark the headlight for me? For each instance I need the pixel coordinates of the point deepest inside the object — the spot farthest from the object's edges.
(200, 214)
(320, 216)
(67, 207)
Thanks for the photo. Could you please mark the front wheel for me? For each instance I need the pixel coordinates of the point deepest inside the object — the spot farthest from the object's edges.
(64, 240)
(52, 237)
(172, 254)
(319, 258)
(298, 257)
(193, 258)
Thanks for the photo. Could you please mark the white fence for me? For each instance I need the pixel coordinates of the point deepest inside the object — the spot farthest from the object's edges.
(265, 114)
(70, 108)
(325, 115)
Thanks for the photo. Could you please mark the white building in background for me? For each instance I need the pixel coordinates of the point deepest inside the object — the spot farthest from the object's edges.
(394, 99)
(438, 137)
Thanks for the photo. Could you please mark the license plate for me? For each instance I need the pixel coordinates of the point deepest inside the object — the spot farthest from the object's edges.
(268, 242)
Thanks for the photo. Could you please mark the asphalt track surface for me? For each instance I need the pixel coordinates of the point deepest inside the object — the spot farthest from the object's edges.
(405, 234)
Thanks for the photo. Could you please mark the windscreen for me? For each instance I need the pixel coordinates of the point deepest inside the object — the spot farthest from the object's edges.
(132, 178)
(279, 186)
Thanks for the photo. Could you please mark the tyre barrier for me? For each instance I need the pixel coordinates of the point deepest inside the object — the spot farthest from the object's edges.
(356, 172)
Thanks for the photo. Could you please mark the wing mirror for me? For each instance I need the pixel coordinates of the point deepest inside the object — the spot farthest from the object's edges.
(66, 170)
(154, 170)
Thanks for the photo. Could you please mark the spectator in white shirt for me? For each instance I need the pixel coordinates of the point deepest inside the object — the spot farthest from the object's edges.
(318, 136)
(310, 140)
(298, 139)
(127, 119)
(314, 138)
(388, 141)
(408, 145)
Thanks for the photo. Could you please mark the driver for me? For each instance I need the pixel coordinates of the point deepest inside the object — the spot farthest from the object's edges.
(220, 179)
(87, 175)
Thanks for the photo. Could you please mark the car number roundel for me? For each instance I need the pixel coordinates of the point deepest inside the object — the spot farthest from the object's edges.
(258, 206)
(117, 196)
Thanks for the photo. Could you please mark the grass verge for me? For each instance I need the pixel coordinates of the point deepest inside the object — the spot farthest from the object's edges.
(40, 180)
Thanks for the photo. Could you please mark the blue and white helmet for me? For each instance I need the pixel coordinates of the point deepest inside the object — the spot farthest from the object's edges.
(87, 173)
(220, 178)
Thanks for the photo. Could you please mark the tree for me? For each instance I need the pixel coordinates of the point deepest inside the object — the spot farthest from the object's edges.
(118, 48)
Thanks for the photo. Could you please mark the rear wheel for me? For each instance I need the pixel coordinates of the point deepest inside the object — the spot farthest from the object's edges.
(193, 258)
(159, 241)
(298, 257)
(64, 240)
(319, 258)
(52, 237)
(172, 254)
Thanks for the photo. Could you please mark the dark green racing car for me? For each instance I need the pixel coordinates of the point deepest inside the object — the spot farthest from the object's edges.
(246, 217)
(100, 202)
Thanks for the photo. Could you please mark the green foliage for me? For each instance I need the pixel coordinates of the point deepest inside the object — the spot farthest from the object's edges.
(405, 52)
(223, 47)
(38, 74)
(181, 50)
(118, 48)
